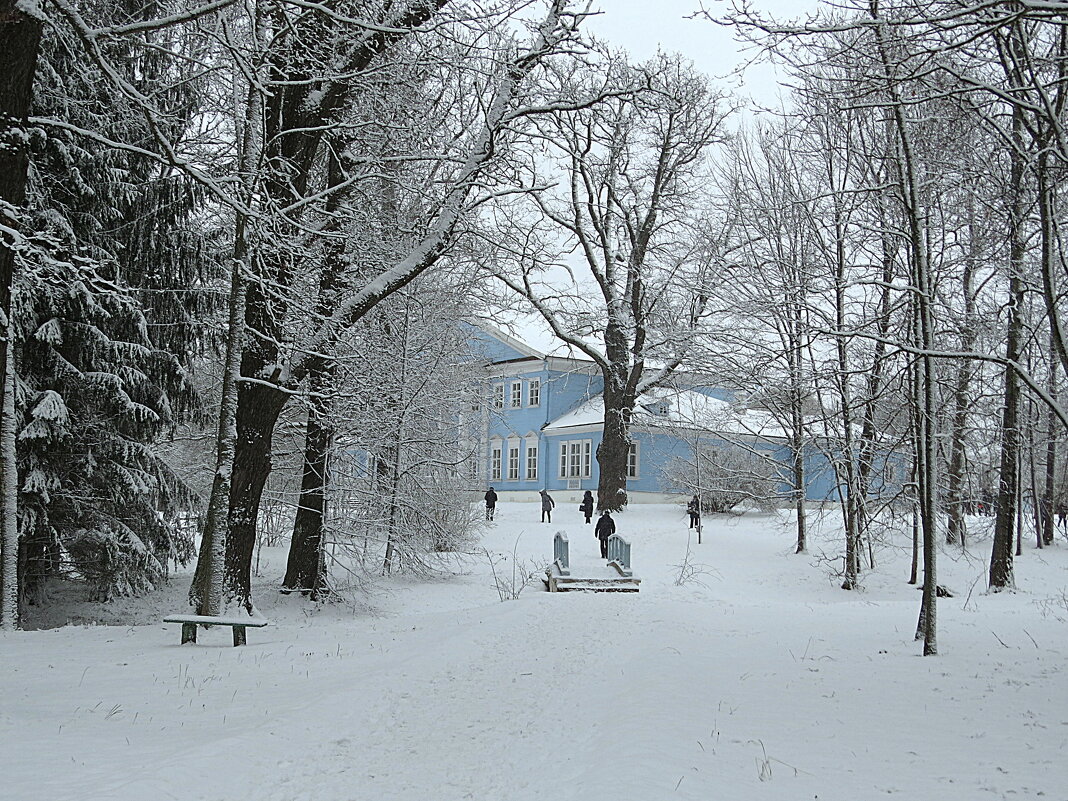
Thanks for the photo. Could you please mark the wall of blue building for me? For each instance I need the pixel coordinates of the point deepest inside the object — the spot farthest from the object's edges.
(553, 480)
(654, 452)
(560, 392)
(570, 388)
(489, 348)
(563, 390)
(658, 450)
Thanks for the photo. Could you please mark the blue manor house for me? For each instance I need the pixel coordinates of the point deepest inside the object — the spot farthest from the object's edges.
(542, 420)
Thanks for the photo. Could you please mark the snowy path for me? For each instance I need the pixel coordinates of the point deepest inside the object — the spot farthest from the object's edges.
(765, 682)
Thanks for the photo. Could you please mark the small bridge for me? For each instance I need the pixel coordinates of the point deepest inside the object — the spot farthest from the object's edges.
(591, 574)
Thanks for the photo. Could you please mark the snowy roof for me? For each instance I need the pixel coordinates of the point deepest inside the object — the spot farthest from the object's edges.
(529, 332)
(682, 409)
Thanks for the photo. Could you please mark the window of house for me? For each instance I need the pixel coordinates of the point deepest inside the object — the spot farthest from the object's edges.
(498, 396)
(495, 462)
(532, 462)
(517, 394)
(632, 461)
(513, 462)
(534, 392)
(576, 458)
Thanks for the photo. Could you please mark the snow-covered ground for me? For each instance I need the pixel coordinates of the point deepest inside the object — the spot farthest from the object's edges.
(756, 679)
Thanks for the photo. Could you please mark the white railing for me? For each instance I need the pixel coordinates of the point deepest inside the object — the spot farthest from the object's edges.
(619, 552)
(560, 553)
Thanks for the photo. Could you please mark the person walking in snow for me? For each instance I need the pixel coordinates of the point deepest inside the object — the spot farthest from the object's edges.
(491, 503)
(694, 508)
(547, 506)
(606, 527)
(586, 507)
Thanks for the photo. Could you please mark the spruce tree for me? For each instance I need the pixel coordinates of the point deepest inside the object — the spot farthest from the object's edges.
(105, 314)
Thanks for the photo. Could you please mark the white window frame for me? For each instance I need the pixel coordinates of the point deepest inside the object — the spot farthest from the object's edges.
(633, 460)
(576, 458)
(496, 453)
(517, 395)
(532, 462)
(498, 396)
(534, 392)
(889, 472)
(513, 461)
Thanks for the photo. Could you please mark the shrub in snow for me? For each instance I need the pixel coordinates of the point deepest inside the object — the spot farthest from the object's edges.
(725, 475)
(401, 488)
(113, 562)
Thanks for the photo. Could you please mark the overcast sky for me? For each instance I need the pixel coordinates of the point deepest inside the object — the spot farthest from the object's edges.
(641, 26)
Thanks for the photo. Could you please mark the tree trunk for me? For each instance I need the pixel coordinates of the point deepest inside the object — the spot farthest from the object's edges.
(305, 569)
(957, 530)
(9, 487)
(853, 502)
(400, 406)
(800, 519)
(869, 429)
(1001, 556)
(614, 450)
(797, 423)
(20, 38)
(923, 282)
(1053, 430)
(206, 591)
(257, 413)
(393, 494)
(914, 575)
(1037, 513)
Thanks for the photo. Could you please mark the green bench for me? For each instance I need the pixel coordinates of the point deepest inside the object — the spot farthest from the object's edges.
(238, 624)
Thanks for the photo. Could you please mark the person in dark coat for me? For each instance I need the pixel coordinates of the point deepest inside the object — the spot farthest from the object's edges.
(606, 527)
(547, 505)
(491, 503)
(586, 507)
(694, 508)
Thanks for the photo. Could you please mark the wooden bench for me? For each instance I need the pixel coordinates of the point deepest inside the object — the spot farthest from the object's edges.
(238, 624)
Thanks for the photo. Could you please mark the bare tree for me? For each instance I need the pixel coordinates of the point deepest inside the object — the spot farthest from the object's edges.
(276, 361)
(628, 175)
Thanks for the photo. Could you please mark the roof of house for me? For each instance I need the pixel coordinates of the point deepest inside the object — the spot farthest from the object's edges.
(529, 334)
(683, 409)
